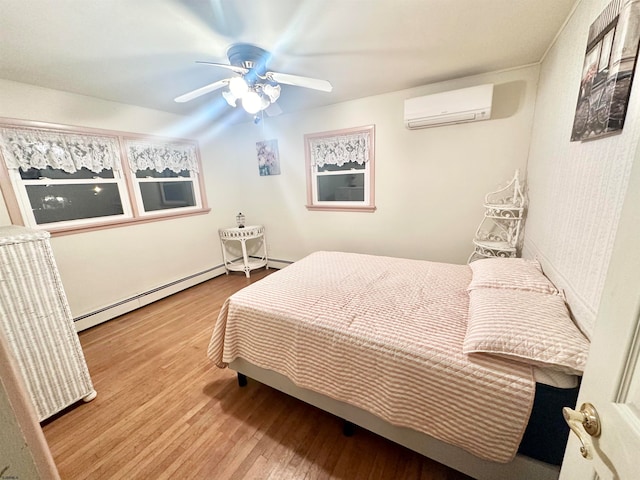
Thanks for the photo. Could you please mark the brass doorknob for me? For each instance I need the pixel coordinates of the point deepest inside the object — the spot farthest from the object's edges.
(583, 423)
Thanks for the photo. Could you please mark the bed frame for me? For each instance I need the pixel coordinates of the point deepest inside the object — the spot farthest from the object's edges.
(449, 455)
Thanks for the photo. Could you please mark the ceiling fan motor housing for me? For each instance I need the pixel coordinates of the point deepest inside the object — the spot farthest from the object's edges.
(250, 57)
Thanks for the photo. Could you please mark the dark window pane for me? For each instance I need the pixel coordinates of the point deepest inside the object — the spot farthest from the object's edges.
(346, 166)
(166, 173)
(56, 173)
(163, 195)
(341, 188)
(58, 203)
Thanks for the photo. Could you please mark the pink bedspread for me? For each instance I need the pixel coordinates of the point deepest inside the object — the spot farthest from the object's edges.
(383, 334)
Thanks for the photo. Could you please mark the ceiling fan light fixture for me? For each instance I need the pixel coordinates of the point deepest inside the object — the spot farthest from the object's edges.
(230, 98)
(252, 102)
(256, 86)
(272, 91)
(238, 87)
(264, 102)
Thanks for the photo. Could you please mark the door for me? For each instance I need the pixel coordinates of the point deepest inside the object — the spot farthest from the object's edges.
(611, 380)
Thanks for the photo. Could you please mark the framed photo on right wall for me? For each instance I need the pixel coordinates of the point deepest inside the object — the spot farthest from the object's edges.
(607, 72)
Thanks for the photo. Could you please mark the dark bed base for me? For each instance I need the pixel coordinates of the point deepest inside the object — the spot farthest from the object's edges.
(546, 435)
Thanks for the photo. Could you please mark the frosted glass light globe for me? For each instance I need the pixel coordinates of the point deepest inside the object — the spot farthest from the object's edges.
(230, 98)
(251, 102)
(238, 86)
(272, 91)
(264, 102)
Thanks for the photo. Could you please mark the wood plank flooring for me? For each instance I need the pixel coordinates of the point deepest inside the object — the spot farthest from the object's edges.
(164, 411)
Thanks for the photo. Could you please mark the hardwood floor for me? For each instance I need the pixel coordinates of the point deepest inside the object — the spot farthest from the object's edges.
(165, 411)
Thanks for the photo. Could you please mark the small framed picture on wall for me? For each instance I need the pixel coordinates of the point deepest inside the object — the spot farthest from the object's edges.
(268, 157)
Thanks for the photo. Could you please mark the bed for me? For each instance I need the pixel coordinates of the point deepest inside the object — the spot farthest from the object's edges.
(452, 361)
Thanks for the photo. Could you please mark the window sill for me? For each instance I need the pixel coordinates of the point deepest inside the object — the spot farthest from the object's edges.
(60, 231)
(341, 208)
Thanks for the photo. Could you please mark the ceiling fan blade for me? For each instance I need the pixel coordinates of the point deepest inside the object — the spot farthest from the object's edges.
(273, 110)
(234, 68)
(299, 81)
(201, 91)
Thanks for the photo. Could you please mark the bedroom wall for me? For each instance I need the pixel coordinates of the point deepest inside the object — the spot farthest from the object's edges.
(429, 189)
(576, 189)
(430, 183)
(101, 268)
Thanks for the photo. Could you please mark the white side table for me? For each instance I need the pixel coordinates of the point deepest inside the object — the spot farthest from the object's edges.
(246, 263)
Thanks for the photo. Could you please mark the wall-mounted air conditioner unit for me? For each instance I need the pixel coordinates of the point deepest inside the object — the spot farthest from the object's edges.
(457, 106)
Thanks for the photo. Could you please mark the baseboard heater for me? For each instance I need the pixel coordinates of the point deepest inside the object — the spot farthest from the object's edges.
(134, 302)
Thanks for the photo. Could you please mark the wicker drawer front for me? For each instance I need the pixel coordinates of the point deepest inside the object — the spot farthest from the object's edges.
(36, 320)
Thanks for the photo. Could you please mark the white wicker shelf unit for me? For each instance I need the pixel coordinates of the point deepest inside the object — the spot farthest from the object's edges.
(498, 234)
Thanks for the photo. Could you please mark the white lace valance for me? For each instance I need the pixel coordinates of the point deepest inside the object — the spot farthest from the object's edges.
(30, 148)
(340, 149)
(160, 156)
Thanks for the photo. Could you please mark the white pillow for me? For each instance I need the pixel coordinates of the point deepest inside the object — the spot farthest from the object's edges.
(525, 326)
(514, 273)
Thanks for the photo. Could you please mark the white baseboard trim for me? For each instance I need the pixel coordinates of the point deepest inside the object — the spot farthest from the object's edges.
(126, 305)
(281, 263)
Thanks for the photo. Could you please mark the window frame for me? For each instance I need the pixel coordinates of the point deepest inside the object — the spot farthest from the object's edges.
(135, 182)
(20, 189)
(19, 207)
(140, 200)
(312, 174)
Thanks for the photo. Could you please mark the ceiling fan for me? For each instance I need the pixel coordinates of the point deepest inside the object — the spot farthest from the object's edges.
(255, 86)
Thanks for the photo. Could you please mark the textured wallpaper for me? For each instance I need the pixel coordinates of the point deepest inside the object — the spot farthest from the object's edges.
(575, 189)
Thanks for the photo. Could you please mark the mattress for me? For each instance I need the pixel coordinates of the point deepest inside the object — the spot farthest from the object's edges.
(385, 335)
(554, 378)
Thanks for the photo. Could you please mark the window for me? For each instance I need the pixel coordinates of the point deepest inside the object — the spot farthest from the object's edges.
(65, 180)
(340, 173)
(53, 195)
(165, 176)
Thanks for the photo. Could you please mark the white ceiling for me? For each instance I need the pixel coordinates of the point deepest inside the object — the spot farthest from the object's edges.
(142, 52)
